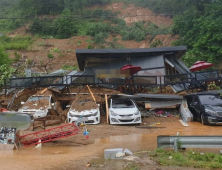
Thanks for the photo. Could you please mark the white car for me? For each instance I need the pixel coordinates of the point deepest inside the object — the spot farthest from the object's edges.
(89, 116)
(124, 111)
(37, 106)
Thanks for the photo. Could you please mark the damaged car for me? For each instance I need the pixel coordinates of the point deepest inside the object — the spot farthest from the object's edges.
(124, 111)
(37, 105)
(206, 107)
(84, 111)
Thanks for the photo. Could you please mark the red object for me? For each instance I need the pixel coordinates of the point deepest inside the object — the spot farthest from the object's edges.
(200, 65)
(132, 69)
(3, 110)
(49, 135)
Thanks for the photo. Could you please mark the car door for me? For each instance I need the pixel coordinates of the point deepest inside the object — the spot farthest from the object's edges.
(196, 107)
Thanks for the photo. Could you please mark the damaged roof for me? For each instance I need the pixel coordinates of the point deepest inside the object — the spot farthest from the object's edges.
(83, 54)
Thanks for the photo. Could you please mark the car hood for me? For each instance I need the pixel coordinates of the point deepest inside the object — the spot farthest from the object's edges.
(213, 107)
(85, 112)
(124, 111)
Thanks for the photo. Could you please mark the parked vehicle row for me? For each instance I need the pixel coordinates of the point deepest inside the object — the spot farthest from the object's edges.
(206, 107)
(121, 111)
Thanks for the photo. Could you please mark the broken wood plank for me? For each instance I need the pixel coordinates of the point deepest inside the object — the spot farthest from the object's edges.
(91, 93)
(44, 90)
(107, 109)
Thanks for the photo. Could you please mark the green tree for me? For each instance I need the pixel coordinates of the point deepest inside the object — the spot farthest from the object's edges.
(75, 5)
(40, 7)
(66, 26)
(201, 32)
(5, 69)
(4, 59)
(5, 73)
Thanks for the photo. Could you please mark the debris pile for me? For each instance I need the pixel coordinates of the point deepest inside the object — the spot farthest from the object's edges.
(83, 102)
(161, 113)
(95, 90)
(38, 103)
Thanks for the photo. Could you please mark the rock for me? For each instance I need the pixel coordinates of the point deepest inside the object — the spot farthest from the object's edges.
(111, 153)
(131, 158)
(88, 164)
(143, 161)
(120, 154)
(127, 152)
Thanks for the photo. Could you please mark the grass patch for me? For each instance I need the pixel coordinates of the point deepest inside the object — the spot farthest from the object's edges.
(187, 159)
(69, 67)
(131, 166)
(56, 50)
(15, 43)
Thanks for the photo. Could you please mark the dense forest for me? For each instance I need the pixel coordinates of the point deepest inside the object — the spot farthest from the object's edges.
(197, 22)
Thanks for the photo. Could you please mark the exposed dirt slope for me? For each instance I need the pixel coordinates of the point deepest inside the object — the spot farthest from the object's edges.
(132, 13)
(64, 49)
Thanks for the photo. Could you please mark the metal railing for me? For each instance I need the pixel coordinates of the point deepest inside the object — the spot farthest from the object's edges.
(177, 142)
(132, 81)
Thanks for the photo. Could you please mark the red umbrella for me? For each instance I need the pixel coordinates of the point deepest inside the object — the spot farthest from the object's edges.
(200, 65)
(132, 69)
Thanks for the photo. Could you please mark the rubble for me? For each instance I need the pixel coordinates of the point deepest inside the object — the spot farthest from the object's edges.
(42, 102)
(83, 102)
(127, 152)
(113, 153)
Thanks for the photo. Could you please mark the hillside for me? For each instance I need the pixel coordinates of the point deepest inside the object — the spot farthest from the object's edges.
(64, 49)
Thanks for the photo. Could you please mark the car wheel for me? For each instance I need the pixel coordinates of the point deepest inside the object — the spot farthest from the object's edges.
(204, 122)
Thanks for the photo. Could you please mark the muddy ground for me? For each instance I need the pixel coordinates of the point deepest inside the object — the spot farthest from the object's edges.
(75, 152)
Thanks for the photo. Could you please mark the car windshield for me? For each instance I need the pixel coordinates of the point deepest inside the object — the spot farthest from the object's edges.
(211, 99)
(36, 98)
(122, 104)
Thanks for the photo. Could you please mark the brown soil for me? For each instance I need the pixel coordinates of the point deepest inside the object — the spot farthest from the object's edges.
(21, 96)
(102, 130)
(41, 102)
(37, 104)
(132, 13)
(83, 102)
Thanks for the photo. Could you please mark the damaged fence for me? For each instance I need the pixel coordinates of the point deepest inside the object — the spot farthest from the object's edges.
(191, 79)
(49, 135)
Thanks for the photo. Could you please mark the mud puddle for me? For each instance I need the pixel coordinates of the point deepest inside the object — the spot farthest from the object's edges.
(48, 157)
(66, 157)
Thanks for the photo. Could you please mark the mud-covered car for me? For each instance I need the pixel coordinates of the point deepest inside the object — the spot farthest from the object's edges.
(124, 111)
(206, 107)
(84, 111)
(37, 105)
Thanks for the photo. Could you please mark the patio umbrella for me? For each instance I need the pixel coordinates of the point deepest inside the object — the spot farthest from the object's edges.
(200, 65)
(132, 69)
